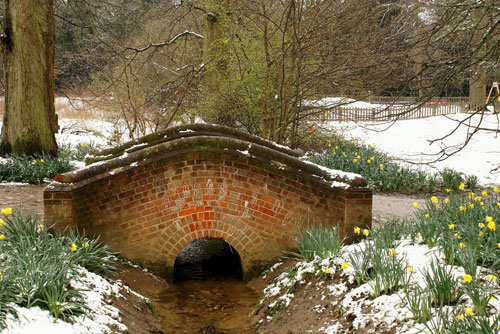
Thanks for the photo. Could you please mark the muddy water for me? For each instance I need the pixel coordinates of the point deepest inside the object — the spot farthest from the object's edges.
(208, 306)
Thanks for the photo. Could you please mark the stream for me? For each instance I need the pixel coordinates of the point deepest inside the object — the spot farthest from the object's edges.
(209, 306)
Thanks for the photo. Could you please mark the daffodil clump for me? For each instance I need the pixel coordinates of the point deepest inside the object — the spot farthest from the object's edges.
(37, 266)
(383, 173)
(463, 224)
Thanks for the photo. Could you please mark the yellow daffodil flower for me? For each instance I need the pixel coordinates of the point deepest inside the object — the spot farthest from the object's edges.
(381, 167)
(492, 226)
(448, 191)
(6, 211)
(73, 247)
(410, 269)
(496, 190)
(2, 222)
(366, 232)
(461, 186)
(434, 199)
(427, 216)
(327, 271)
(462, 245)
(459, 317)
(345, 265)
(492, 278)
(467, 278)
(357, 230)
(447, 200)
(85, 244)
(392, 252)
(451, 226)
(484, 194)
(415, 205)
(469, 311)
(2, 236)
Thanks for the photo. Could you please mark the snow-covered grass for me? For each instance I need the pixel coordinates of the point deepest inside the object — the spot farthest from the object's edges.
(404, 277)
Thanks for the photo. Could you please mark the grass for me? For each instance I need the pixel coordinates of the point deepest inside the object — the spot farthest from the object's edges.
(38, 267)
(382, 172)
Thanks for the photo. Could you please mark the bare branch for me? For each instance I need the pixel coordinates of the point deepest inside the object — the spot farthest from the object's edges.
(167, 43)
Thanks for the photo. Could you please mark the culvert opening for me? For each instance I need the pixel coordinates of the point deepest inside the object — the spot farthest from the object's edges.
(207, 258)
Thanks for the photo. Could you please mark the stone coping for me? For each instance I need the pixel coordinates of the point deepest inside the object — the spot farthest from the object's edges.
(203, 138)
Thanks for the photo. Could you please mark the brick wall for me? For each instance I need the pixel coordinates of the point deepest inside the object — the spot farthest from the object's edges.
(151, 211)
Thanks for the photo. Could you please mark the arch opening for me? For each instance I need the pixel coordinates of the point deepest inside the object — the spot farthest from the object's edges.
(207, 258)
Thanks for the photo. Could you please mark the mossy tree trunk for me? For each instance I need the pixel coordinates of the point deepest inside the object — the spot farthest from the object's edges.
(29, 121)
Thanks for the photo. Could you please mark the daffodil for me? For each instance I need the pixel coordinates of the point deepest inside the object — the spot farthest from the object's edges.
(463, 208)
(2, 236)
(41, 227)
(498, 204)
(462, 245)
(345, 265)
(447, 200)
(461, 186)
(496, 190)
(73, 247)
(492, 226)
(2, 222)
(481, 234)
(451, 226)
(448, 191)
(477, 198)
(488, 219)
(410, 269)
(355, 160)
(357, 230)
(415, 205)
(438, 206)
(467, 278)
(85, 244)
(381, 167)
(469, 311)
(6, 211)
(457, 236)
(366, 232)
(492, 278)
(459, 317)
(484, 194)
(434, 199)
(368, 161)
(327, 271)
(392, 252)
(427, 216)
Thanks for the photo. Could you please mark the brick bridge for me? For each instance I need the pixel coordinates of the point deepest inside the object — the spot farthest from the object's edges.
(152, 196)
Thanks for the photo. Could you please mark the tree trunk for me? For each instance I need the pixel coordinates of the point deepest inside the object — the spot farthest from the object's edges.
(477, 82)
(216, 46)
(29, 121)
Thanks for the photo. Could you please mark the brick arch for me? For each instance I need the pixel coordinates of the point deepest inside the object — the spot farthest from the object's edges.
(150, 198)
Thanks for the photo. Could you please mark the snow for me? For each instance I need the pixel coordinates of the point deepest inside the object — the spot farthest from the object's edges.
(96, 291)
(409, 140)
